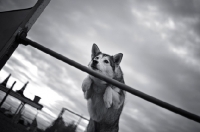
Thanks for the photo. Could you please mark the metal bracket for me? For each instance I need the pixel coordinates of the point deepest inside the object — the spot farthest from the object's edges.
(21, 34)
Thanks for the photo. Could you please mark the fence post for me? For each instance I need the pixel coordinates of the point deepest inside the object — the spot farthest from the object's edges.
(8, 92)
(18, 114)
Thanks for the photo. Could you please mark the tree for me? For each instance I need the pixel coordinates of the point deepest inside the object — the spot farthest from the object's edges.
(59, 126)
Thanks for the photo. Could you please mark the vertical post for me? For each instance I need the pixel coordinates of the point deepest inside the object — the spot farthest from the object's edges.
(8, 92)
(18, 108)
(17, 115)
(36, 115)
(61, 112)
(78, 121)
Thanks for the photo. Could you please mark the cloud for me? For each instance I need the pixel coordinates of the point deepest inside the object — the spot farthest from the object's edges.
(159, 40)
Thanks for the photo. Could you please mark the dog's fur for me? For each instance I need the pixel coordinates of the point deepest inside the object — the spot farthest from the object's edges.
(105, 102)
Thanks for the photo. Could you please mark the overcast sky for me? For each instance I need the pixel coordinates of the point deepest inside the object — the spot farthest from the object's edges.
(160, 42)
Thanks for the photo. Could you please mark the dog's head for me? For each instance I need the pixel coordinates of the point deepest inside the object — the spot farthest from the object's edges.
(106, 64)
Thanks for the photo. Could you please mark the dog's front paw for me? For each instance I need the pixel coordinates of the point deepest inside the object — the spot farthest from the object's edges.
(88, 93)
(87, 82)
(118, 99)
(107, 97)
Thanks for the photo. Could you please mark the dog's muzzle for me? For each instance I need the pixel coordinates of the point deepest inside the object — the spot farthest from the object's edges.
(94, 64)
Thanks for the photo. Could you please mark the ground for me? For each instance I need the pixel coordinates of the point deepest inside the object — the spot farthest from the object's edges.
(7, 126)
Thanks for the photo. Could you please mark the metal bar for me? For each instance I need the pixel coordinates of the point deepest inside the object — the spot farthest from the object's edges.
(76, 114)
(129, 89)
(7, 93)
(18, 109)
(22, 98)
(12, 23)
(61, 112)
(18, 114)
(78, 122)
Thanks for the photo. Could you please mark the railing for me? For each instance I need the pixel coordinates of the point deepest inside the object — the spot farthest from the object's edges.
(21, 38)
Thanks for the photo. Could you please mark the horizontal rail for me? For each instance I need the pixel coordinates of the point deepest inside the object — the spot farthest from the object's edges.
(76, 114)
(21, 98)
(122, 86)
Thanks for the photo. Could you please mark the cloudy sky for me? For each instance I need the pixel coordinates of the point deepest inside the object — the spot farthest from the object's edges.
(160, 42)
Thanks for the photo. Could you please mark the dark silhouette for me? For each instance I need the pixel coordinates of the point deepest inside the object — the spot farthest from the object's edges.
(60, 126)
(6, 80)
(21, 91)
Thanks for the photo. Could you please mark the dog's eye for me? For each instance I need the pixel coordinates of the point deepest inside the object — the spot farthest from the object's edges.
(96, 57)
(106, 61)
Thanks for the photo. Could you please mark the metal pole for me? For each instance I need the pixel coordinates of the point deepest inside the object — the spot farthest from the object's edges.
(61, 113)
(76, 114)
(7, 94)
(11, 23)
(16, 117)
(122, 86)
(78, 122)
(18, 108)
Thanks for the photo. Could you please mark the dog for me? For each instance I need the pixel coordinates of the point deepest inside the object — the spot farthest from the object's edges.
(104, 101)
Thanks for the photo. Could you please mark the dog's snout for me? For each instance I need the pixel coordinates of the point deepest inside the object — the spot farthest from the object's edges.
(95, 62)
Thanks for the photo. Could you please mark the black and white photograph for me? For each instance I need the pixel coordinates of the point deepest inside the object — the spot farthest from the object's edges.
(99, 65)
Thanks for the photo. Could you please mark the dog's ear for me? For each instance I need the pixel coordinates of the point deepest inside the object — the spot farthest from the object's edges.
(95, 50)
(117, 58)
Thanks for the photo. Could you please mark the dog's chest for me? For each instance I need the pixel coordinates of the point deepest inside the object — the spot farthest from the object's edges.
(96, 107)
(98, 112)
(98, 88)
